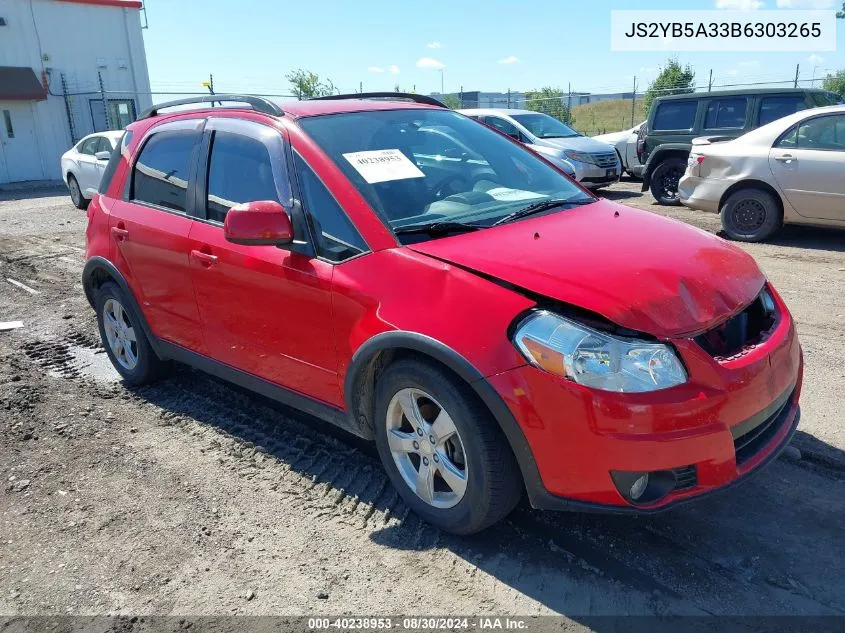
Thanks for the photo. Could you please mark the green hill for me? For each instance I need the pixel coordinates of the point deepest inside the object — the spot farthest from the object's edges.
(603, 117)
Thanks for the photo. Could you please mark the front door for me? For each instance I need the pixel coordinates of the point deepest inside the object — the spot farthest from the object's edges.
(808, 163)
(265, 310)
(150, 232)
(20, 143)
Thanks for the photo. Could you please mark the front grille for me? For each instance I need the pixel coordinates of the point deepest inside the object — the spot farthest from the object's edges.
(605, 160)
(746, 329)
(753, 435)
(685, 477)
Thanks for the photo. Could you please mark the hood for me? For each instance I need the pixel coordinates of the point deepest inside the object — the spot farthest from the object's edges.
(612, 138)
(575, 143)
(637, 269)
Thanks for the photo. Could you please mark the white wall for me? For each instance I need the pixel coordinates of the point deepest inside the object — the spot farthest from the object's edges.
(74, 39)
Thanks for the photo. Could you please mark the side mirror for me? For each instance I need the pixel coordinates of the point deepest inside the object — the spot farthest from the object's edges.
(104, 155)
(262, 223)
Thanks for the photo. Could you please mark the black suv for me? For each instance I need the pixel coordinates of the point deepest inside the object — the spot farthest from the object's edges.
(673, 121)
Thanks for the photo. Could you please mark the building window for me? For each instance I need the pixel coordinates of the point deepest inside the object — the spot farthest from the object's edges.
(119, 114)
(7, 118)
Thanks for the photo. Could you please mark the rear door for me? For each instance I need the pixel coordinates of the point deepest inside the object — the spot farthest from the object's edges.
(150, 227)
(808, 163)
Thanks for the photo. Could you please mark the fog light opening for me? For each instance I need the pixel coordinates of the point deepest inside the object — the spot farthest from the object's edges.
(639, 486)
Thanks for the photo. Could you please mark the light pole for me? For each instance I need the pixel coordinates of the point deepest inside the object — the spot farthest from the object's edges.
(441, 80)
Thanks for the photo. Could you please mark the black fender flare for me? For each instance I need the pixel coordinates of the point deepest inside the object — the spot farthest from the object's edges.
(656, 157)
(100, 266)
(425, 345)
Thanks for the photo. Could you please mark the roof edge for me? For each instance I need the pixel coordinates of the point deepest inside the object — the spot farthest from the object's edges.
(121, 4)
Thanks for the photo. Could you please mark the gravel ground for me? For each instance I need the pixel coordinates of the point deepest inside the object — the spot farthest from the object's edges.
(192, 497)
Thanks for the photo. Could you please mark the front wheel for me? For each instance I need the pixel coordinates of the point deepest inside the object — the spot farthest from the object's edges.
(442, 449)
(665, 179)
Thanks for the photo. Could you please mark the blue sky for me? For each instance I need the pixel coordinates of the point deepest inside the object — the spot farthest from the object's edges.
(494, 45)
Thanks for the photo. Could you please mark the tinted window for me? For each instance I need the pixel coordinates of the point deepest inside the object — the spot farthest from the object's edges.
(160, 176)
(240, 171)
(826, 98)
(726, 113)
(675, 115)
(821, 133)
(335, 238)
(773, 108)
(503, 126)
(90, 145)
(104, 145)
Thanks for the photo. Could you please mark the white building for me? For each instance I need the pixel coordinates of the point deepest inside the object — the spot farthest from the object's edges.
(67, 68)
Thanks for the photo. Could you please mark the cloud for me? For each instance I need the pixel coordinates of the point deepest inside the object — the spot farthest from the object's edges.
(806, 4)
(510, 59)
(741, 5)
(375, 69)
(430, 62)
(393, 69)
(815, 60)
(434, 44)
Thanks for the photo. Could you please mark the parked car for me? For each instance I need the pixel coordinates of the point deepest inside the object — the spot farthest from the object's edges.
(84, 163)
(791, 171)
(595, 164)
(673, 121)
(625, 144)
(481, 318)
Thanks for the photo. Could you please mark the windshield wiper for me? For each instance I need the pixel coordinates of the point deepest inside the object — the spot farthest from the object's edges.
(433, 228)
(543, 205)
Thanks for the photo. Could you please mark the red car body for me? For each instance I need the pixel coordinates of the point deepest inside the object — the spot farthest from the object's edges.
(226, 308)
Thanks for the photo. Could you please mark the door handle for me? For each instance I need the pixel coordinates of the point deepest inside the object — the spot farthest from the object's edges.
(119, 233)
(786, 158)
(206, 259)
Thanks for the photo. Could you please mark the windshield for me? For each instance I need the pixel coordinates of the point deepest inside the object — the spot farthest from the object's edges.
(544, 126)
(421, 166)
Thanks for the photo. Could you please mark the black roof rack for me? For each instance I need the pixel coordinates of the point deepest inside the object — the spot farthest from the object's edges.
(409, 96)
(259, 104)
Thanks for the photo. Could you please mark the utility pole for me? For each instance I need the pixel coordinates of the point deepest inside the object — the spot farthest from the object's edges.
(441, 81)
(797, 66)
(361, 87)
(461, 96)
(633, 101)
(509, 98)
(569, 99)
(710, 83)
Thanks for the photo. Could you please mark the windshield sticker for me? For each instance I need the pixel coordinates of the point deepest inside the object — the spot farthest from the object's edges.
(383, 165)
(513, 195)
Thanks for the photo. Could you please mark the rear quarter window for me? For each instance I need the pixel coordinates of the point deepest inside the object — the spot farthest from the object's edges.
(114, 160)
(675, 115)
(776, 107)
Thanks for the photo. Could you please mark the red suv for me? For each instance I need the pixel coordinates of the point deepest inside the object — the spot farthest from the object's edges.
(422, 280)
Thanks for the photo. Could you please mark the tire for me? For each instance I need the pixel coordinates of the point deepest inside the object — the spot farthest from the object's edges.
(751, 215)
(134, 360)
(492, 485)
(664, 181)
(79, 201)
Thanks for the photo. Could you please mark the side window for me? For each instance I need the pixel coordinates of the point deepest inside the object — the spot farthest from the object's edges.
(773, 108)
(160, 176)
(503, 126)
(239, 171)
(335, 238)
(104, 145)
(90, 145)
(821, 133)
(726, 113)
(675, 115)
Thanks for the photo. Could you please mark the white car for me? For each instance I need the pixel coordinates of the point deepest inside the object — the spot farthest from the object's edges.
(791, 171)
(625, 143)
(84, 163)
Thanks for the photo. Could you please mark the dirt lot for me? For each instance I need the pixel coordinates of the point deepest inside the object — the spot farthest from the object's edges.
(191, 497)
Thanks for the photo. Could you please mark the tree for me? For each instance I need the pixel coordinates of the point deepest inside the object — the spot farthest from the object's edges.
(549, 101)
(450, 101)
(841, 14)
(672, 80)
(306, 84)
(835, 83)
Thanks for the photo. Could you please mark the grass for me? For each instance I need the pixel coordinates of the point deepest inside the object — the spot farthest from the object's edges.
(603, 117)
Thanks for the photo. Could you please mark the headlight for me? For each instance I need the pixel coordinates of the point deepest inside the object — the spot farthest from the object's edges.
(596, 359)
(565, 166)
(579, 156)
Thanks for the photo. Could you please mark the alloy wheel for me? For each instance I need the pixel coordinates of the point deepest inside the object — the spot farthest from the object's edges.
(120, 334)
(427, 448)
(670, 181)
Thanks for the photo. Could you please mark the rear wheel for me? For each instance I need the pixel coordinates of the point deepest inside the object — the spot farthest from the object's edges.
(442, 449)
(76, 196)
(665, 179)
(751, 215)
